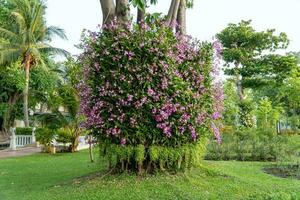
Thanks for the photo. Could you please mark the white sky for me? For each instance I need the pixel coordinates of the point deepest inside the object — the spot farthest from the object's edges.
(207, 18)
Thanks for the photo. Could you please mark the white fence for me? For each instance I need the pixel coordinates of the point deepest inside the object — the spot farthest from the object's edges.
(21, 140)
(24, 140)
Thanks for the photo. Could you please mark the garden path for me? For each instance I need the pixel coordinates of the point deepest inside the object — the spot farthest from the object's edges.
(19, 152)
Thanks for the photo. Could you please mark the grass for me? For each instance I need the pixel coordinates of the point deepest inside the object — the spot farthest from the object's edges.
(72, 176)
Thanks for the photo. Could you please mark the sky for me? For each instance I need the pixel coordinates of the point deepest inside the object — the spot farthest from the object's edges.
(207, 18)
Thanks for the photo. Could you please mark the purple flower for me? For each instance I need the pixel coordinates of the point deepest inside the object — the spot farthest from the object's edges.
(216, 115)
(151, 92)
(123, 142)
(193, 132)
(181, 129)
(216, 133)
(184, 118)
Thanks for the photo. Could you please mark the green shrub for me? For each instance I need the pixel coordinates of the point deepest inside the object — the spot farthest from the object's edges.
(23, 131)
(69, 134)
(153, 157)
(45, 136)
(251, 145)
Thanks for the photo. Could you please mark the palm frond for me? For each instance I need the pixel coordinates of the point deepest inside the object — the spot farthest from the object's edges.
(37, 17)
(20, 20)
(9, 54)
(45, 48)
(56, 31)
(7, 34)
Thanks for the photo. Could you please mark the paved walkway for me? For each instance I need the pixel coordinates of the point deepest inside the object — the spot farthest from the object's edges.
(19, 152)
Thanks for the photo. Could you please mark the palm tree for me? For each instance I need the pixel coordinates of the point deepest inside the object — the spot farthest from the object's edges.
(28, 40)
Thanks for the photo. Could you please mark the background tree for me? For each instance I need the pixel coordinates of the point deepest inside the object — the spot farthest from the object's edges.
(28, 40)
(247, 54)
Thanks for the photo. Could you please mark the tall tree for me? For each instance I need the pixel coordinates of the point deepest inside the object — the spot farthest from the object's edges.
(250, 56)
(28, 40)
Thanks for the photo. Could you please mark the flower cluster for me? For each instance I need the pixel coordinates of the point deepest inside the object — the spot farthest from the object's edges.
(146, 85)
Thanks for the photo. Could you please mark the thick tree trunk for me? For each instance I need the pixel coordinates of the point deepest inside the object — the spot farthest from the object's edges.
(181, 18)
(140, 15)
(108, 11)
(172, 14)
(122, 11)
(25, 91)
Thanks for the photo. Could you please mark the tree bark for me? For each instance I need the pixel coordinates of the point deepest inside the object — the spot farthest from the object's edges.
(122, 11)
(172, 14)
(140, 15)
(90, 140)
(181, 18)
(239, 87)
(108, 11)
(25, 91)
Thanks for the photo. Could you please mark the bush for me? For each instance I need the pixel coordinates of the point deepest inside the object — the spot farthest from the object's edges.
(146, 87)
(23, 131)
(45, 136)
(69, 134)
(138, 158)
(251, 145)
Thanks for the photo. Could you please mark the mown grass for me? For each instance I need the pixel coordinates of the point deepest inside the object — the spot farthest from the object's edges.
(72, 176)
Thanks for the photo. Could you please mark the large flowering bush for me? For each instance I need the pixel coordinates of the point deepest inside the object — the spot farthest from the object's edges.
(146, 90)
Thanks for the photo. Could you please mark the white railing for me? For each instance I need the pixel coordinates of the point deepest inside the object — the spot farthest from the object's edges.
(23, 140)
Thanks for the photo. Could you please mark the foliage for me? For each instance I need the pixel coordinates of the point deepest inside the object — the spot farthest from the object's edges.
(247, 48)
(252, 144)
(28, 40)
(158, 157)
(70, 134)
(267, 114)
(45, 136)
(12, 82)
(245, 113)
(23, 131)
(231, 107)
(147, 86)
(31, 35)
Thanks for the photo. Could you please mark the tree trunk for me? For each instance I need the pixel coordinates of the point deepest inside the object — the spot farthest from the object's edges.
(172, 14)
(181, 18)
(140, 15)
(25, 91)
(239, 87)
(91, 148)
(108, 11)
(122, 11)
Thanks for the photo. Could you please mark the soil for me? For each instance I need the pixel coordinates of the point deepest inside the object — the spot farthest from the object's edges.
(284, 171)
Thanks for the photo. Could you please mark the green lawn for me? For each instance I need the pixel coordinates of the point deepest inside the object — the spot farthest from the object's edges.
(65, 176)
